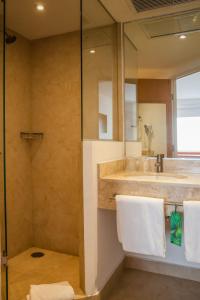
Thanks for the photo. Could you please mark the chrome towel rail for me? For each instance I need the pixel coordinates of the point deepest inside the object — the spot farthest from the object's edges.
(166, 202)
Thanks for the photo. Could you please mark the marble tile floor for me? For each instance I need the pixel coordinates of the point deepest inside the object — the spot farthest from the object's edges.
(140, 285)
(23, 270)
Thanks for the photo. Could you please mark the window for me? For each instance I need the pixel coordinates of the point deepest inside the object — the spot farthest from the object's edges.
(188, 115)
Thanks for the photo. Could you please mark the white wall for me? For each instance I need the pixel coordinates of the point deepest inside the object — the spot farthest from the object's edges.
(103, 252)
(174, 254)
(130, 112)
(106, 108)
(154, 114)
(133, 149)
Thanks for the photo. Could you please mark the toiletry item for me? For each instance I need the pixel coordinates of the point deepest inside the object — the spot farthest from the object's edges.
(176, 232)
(141, 224)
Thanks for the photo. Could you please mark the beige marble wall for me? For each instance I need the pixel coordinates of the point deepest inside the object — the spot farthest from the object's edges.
(44, 184)
(172, 192)
(1, 147)
(56, 161)
(171, 165)
(111, 167)
(1, 90)
(18, 151)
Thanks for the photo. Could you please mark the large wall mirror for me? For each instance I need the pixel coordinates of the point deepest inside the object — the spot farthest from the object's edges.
(162, 84)
(99, 73)
(130, 91)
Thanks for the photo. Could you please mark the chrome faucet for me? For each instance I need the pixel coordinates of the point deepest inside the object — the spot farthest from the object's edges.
(159, 163)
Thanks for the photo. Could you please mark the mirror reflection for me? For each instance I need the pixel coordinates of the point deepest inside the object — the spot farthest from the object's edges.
(167, 84)
(130, 91)
(99, 73)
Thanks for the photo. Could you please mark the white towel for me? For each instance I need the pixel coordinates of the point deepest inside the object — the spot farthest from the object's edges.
(141, 225)
(191, 230)
(54, 291)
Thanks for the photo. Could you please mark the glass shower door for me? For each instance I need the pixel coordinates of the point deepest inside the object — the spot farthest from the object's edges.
(2, 158)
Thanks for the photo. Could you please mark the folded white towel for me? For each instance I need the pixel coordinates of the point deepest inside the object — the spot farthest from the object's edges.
(191, 230)
(141, 224)
(55, 291)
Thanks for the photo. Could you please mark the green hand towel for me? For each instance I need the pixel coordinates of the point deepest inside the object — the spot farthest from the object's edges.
(176, 221)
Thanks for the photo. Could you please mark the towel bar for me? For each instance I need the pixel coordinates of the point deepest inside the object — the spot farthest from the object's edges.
(166, 202)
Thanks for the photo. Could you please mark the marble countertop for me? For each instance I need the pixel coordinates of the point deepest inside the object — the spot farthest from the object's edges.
(182, 179)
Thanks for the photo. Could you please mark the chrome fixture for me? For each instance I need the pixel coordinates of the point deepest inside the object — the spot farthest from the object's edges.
(9, 38)
(159, 163)
(166, 202)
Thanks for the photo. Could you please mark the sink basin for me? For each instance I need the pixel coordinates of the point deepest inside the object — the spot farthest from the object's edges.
(154, 176)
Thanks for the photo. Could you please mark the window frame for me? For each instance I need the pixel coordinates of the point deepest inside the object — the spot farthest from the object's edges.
(183, 154)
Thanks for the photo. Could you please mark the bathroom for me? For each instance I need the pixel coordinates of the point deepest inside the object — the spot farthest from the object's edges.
(99, 112)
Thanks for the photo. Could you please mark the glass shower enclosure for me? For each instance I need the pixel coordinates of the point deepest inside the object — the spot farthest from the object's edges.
(4, 268)
(40, 146)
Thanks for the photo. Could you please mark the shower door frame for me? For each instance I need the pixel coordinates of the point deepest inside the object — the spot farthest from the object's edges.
(3, 208)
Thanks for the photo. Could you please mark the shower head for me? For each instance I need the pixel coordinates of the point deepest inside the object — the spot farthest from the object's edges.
(10, 39)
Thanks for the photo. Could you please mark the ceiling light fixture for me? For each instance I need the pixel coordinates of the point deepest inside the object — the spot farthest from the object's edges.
(195, 18)
(92, 51)
(182, 36)
(40, 7)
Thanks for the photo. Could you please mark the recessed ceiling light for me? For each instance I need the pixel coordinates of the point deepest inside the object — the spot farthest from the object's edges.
(182, 36)
(92, 51)
(195, 18)
(40, 7)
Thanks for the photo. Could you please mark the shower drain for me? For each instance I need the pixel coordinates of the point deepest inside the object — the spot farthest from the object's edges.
(37, 254)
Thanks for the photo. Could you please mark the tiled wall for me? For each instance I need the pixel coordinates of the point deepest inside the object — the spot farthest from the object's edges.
(56, 161)
(44, 177)
(18, 152)
(1, 141)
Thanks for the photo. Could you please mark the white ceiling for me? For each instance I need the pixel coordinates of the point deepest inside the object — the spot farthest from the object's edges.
(165, 56)
(60, 16)
(94, 15)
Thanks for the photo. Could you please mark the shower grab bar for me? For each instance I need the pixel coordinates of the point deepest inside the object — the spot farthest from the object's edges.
(165, 203)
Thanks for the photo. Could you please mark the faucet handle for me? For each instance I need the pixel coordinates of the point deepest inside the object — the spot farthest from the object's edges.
(160, 155)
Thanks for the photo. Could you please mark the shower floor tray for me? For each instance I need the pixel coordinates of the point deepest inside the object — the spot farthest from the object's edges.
(24, 270)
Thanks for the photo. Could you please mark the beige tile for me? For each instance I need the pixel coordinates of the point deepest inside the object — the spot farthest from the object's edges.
(18, 152)
(44, 183)
(53, 267)
(112, 167)
(177, 188)
(56, 161)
